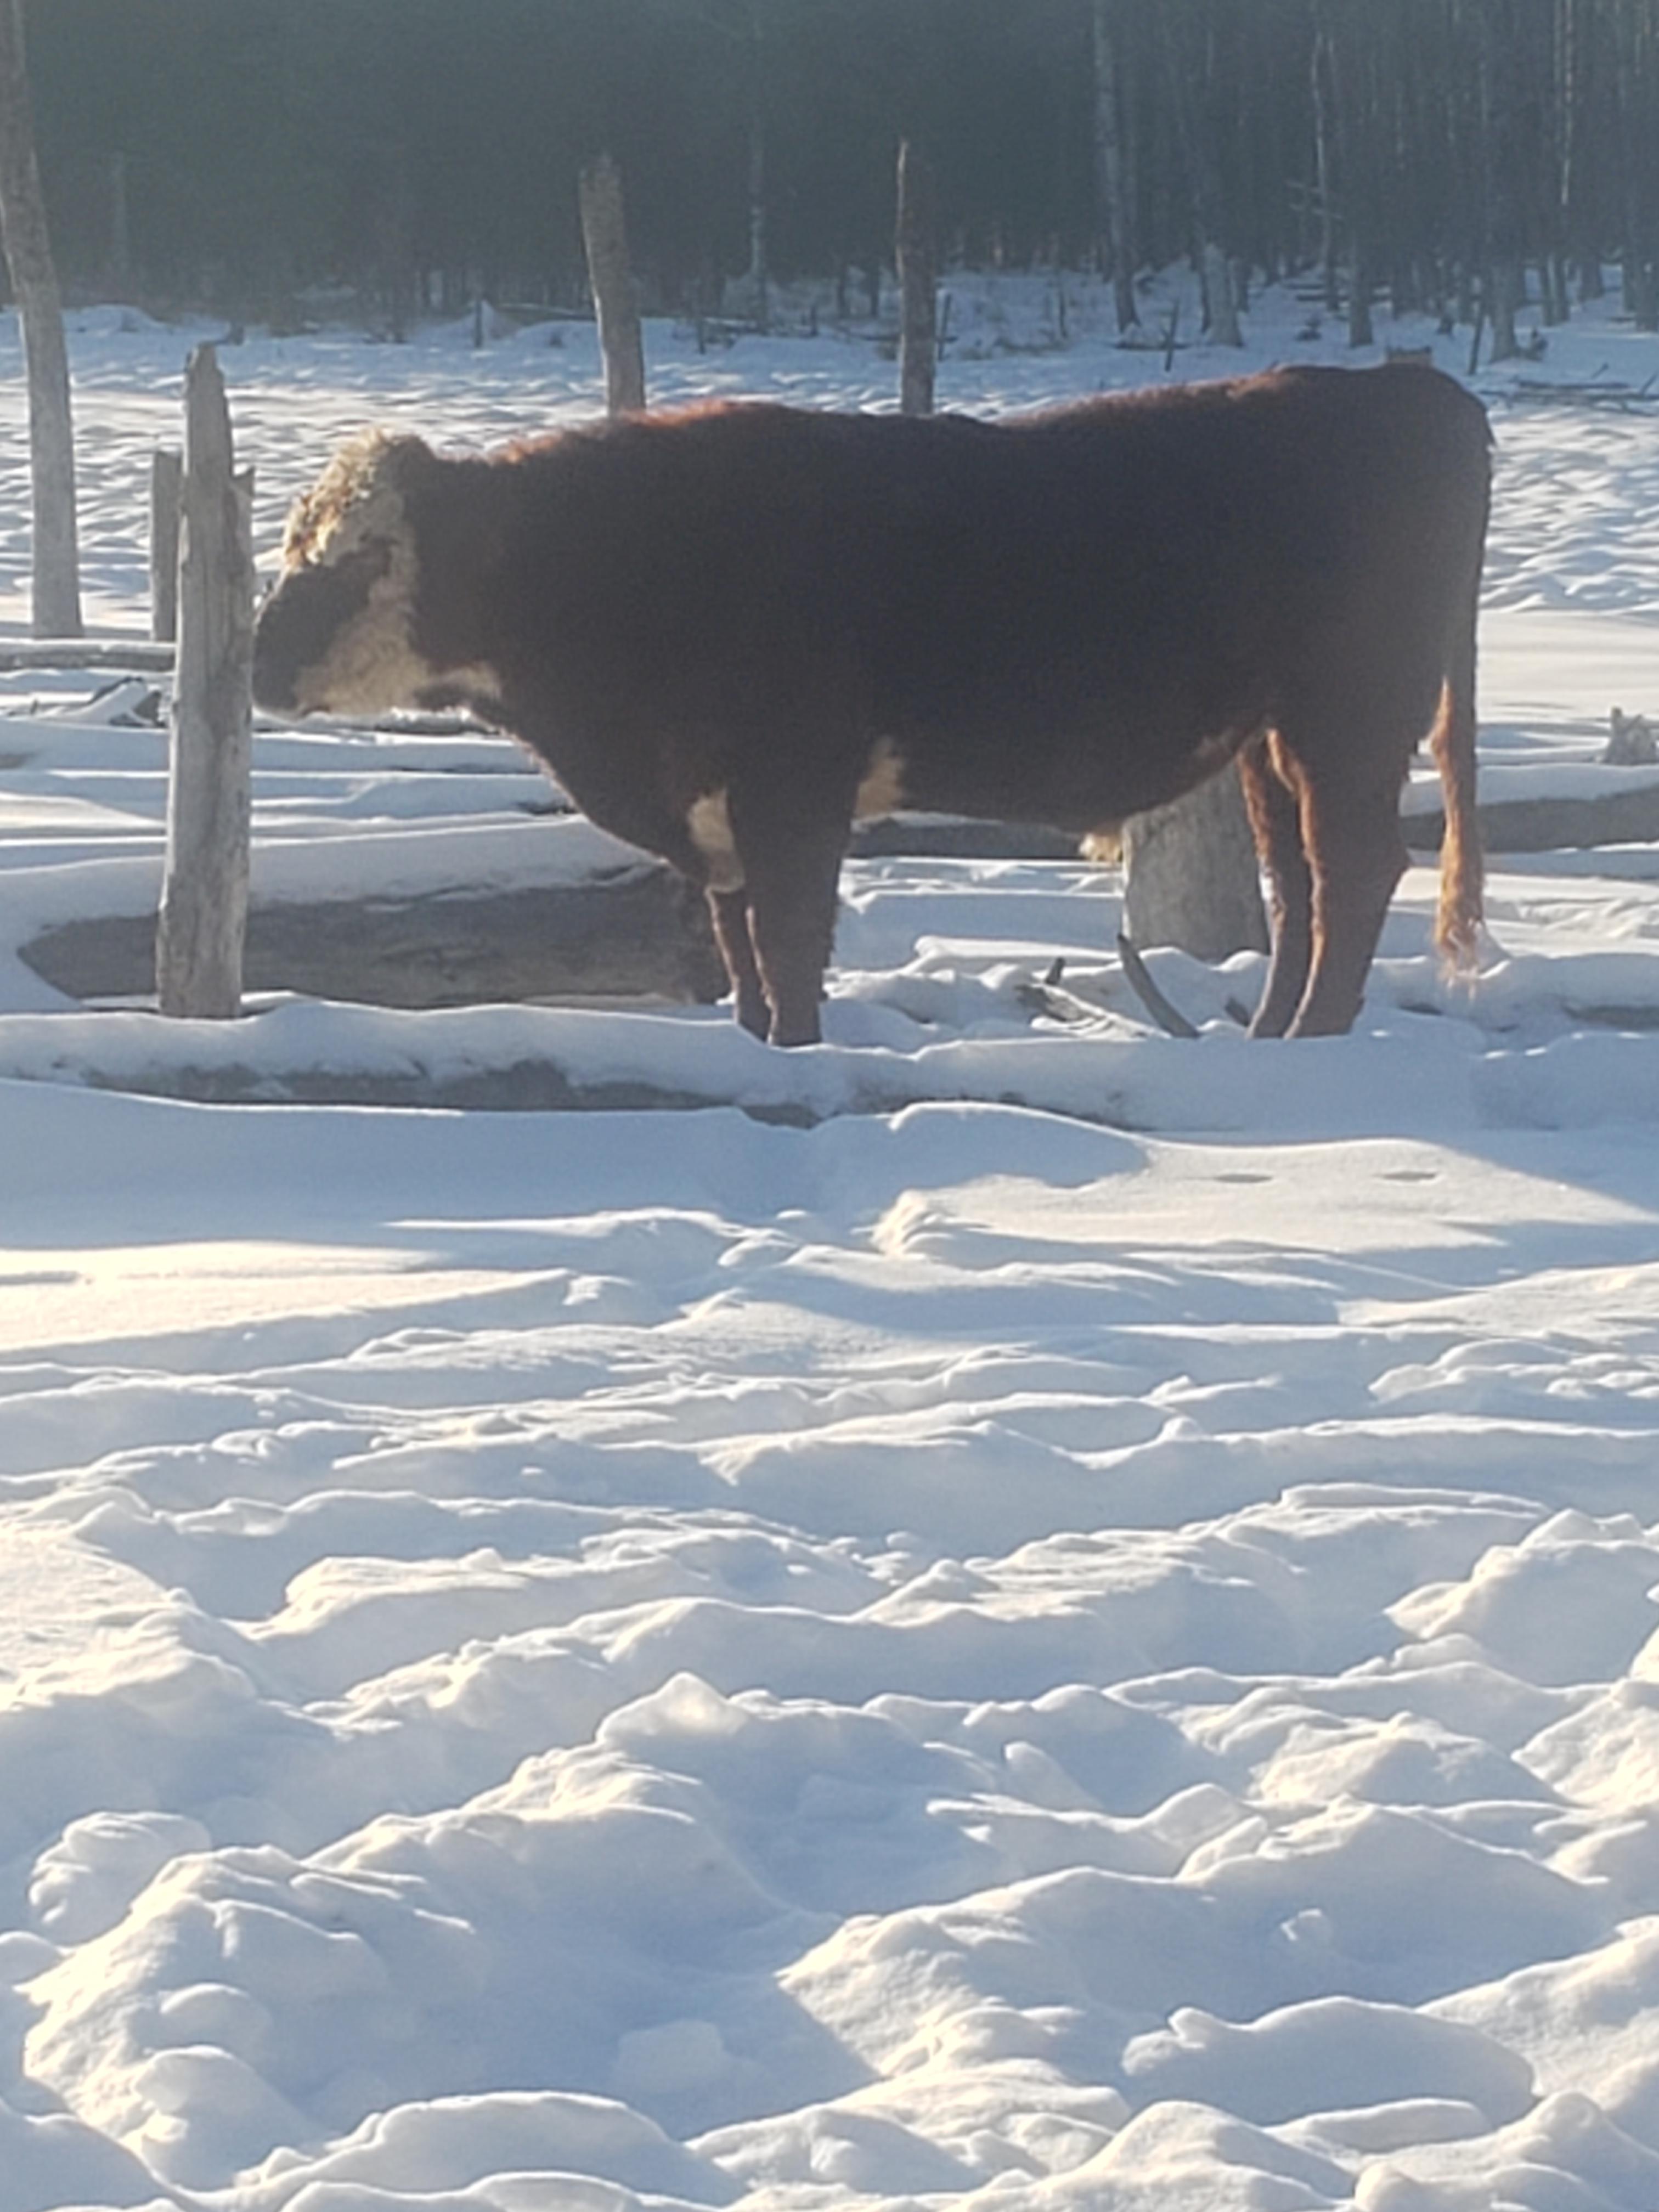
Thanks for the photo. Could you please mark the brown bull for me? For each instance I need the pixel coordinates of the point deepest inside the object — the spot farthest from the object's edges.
(733, 631)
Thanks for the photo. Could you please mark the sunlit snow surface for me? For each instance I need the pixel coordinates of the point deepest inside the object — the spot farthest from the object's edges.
(1011, 1613)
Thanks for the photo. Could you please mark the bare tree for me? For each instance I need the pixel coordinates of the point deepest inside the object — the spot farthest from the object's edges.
(1111, 179)
(758, 283)
(1319, 83)
(1345, 48)
(616, 304)
(1191, 72)
(918, 282)
(1557, 193)
(1637, 81)
(57, 583)
(1502, 137)
(1581, 47)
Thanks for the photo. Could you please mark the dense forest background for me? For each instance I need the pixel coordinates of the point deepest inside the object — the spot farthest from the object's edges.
(251, 156)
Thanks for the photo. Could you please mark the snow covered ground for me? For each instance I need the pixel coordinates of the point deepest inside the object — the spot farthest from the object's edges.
(1011, 1615)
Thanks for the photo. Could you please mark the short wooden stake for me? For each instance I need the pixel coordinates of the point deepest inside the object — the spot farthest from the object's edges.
(204, 889)
(167, 469)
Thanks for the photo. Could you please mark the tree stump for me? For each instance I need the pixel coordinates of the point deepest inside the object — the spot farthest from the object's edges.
(1190, 875)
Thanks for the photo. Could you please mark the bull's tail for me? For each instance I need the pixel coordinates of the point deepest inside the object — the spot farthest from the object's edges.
(1457, 924)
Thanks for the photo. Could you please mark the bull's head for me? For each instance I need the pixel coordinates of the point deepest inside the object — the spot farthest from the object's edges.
(337, 633)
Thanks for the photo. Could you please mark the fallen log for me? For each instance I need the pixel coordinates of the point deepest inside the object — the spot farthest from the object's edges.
(123, 653)
(1628, 816)
(525, 1087)
(1583, 393)
(639, 934)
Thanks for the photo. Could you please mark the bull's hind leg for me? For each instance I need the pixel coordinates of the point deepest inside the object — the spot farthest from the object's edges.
(1267, 775)
(1350, 829)
(729, 912)
(792, 870)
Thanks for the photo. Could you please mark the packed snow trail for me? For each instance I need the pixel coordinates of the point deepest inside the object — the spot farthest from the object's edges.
(913, 1648)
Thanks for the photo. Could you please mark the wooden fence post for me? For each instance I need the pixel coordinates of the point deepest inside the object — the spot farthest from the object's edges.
(604, 236)
(204, 889)
(167, 469)
(918, 282)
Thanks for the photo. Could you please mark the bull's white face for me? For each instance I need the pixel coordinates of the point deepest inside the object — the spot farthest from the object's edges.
(336, 634)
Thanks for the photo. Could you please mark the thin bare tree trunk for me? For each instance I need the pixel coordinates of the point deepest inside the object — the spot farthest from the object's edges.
(1637, 80)
(1501, 135)
(1111, 188)
(56, 584)
(1193, 120)
(1347, 58)
(1580, 54)
(205, 891)
(604, 235)
(1320, 74)
(759, 279)
(918, 282)
(1557, 204)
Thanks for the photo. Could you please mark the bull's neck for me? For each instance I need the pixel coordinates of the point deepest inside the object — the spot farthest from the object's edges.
(462, 527)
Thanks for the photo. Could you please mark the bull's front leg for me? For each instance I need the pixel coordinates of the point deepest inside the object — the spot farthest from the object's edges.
(729, 911)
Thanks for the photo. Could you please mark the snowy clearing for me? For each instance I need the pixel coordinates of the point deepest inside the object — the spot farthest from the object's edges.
(1003, 1613)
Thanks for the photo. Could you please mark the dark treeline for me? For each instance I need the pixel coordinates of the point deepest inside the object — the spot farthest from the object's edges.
(1451, 154)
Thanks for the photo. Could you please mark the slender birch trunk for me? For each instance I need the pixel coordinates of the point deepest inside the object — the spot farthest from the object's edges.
(57, 585)
(616, 304)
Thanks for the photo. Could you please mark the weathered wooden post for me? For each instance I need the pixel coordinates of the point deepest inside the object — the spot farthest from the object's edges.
(615, 304)
(166, 470)
(918, 282)
(204, 887)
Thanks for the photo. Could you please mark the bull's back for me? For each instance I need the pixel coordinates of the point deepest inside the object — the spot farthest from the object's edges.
(1038, 616)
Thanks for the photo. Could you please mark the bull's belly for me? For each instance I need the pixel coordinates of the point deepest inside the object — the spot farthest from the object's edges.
(1079, 784)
